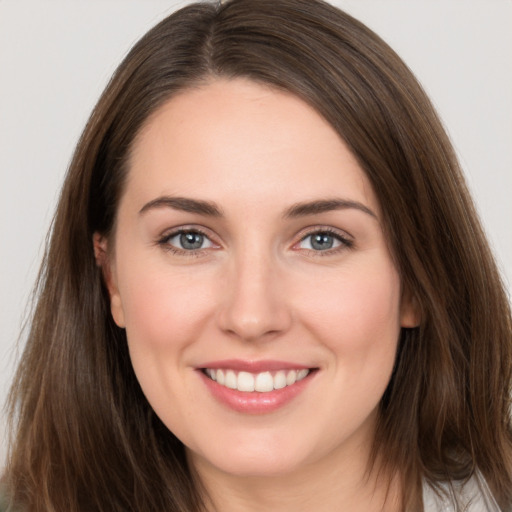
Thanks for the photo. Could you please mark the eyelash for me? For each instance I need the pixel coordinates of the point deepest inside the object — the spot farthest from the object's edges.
(164, 242)
(345, 242)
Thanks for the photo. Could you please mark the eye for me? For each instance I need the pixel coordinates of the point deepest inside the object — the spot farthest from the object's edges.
(187, 240)
(321, 241)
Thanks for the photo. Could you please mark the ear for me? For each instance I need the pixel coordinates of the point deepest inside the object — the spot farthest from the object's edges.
(104, 261)
(410, 311)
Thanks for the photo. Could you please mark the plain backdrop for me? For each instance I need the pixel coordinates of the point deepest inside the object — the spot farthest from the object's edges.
(57, 55)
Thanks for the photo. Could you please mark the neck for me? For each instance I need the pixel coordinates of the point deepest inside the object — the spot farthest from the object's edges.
(338, 482)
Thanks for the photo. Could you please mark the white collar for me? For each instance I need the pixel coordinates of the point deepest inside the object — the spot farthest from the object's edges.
(474, 496)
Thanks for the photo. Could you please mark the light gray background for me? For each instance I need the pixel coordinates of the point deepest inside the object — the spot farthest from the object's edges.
(56, 57)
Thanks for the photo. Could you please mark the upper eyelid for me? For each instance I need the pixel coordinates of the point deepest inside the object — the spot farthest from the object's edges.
(164, 241)
(310, 230)
(170, 232)
(345, 240)
(215, 239)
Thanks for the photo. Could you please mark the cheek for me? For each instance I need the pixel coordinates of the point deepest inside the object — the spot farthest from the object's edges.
(357, 318)
(164, 312)
(357, 312)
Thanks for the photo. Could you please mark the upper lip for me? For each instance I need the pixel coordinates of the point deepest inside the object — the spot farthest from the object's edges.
(253, 366)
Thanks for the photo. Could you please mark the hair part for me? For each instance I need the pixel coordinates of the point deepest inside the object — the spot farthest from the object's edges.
(85, 436)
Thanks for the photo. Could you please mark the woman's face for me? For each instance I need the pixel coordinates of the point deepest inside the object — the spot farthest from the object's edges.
(253, 277)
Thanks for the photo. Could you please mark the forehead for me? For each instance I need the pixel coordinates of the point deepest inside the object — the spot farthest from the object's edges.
(237, 138)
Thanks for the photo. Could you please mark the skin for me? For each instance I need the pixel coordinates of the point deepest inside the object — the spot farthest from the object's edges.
(257, 290)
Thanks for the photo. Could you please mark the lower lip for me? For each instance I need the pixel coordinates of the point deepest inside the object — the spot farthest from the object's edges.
(256, 402)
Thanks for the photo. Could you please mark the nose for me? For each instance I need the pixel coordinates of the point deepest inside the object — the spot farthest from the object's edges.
(255, 306)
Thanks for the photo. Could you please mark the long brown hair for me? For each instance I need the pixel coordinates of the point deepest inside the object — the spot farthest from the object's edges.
(85, 437)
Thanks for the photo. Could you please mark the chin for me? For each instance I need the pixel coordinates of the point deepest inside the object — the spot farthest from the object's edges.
(253, 460)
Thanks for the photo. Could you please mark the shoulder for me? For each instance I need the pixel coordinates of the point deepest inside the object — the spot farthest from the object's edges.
(3, 503)
(473, 496)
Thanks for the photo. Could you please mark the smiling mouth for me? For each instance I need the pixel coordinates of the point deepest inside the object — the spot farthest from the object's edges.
(262, 382)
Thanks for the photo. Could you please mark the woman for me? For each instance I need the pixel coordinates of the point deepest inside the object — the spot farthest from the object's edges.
(266, 287)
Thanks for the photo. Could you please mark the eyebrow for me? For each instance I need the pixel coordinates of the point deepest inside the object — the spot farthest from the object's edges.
(211, 209)
(184, 204)
(325, 205)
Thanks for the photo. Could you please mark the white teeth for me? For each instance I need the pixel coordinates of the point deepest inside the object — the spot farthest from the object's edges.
(262, 382)
(245, 381)
(301, 374)
(291, 377)
(280, 380)
(230, 380)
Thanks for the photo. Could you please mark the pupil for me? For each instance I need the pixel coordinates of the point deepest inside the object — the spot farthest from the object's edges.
(322, 241)
(191, 240)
